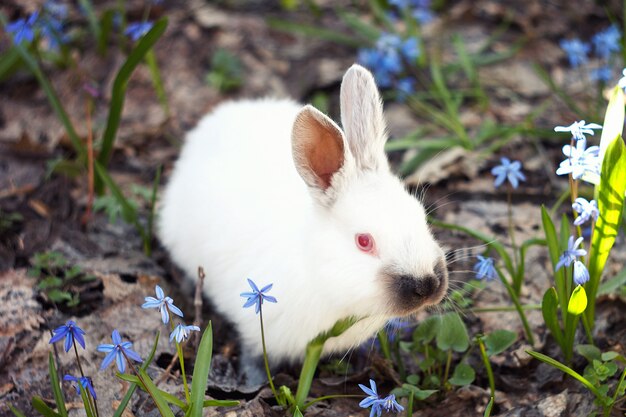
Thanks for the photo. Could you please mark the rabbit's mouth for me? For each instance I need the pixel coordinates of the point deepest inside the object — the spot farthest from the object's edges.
(411, 292)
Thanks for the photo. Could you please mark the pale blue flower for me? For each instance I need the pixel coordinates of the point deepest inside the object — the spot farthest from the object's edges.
(579, 129)
(163, 303)
(602, 74)
(390, 404)
(136, 30)
(485, 268)
(580, 160)
(586, 210)
(607, 41)
(576, 51)
(256, 297)
(71, 332)
(405, 87)
(581, 275)
(119, 351)
(372, 399)
(84, 381)
(410, 49)
(572, 253)
(181, 332)
(508, 170)
(23, 30)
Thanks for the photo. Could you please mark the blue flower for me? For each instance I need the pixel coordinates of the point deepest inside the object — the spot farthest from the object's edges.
(163, 303)
(602, 74)
(84, 381)
(410, 49)
(71, 332)
(576, 51)
(372, 399)
(579, 129)
(572, 253)
(607, 41)
(389, 403)
(580, 160)
(120, 351)
(423, 16)
(508, 170)
(581, 275)
(485, 268)
(181, 332)
(137, 30)
(585, 209)
(405, 87)
(256, 297)
(397, 327)
(23, 30)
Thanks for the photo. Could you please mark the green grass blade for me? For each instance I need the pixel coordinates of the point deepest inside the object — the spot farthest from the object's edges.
(220, 403)
(610, 285)
(8, 61)
(369, 32)
(172, 399)
(56, 387)
(155, 393)
(610, 198)
(86, 402)
(613, 120)
(157, 81)
(94, 24)
(16, 412)
(553, 248)
(569, 371)
(549, 309)
(119, 87)
(131, 390)
(43, 408)
(106, 25)
(201, 372)
(314, 31)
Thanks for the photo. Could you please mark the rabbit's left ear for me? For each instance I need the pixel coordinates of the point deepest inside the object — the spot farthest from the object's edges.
(362, 118)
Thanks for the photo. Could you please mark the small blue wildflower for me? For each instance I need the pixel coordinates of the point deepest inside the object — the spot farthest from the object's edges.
(508, 170)
(85, 381)
(181, 332)
(56, 10)
(397, 327)
(580, 160)
(256, 297)
(136, 30)
(71, 332)
(579, 129)
(405, 87)
(119, 351)
(410, 49)
(606, 42)
(576, 51)
(423, 16)
(389, 403)
(372, 399)
(383, 66)
(601, 74)
(571, 254)
(23, 30)
(581, 275)
(485, 268)
(586, 210)
(163, 303)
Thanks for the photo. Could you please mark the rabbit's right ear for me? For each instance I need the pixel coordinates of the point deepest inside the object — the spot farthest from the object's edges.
(319, 153)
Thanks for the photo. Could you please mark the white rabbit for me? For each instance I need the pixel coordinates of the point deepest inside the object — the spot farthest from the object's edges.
(278, 193)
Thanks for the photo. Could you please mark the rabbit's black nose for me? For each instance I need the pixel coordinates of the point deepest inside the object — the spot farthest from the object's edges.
(414, 291)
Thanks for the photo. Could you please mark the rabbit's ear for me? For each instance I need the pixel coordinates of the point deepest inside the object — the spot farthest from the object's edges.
(362, 118)
(318, 150)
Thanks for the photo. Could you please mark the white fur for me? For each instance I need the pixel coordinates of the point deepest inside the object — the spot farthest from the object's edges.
(237, 206)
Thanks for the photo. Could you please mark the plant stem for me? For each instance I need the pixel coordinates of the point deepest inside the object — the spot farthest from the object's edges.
(312, 358)
(504, 309)
(512, 235)
(447, 371)
(92, 400)
(267, 365)
(518, 307)
(181, 359)
(330, 397)
(483, 353)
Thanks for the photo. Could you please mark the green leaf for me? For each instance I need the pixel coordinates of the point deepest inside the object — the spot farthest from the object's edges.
(59, 399)
(612, 284)
(311, 31)
(489, 407)
(220, 403)
(578, 301)
(297, 412)
(43, 408)
(610, 198)
(86, 403)
(154, 392)
(427, 330)
(609, 356)
(420, 394)
(569, 371)
(549, 309)
(613, 120)
(463, 375)
(49, 282)
(201, 372)
(452, 333)
(498, 341)
(59, 296)
(589, 352)
(119, 87)
(413, 379)
(172, 399)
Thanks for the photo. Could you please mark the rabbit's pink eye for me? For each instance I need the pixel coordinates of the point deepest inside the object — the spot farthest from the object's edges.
(365, 242)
